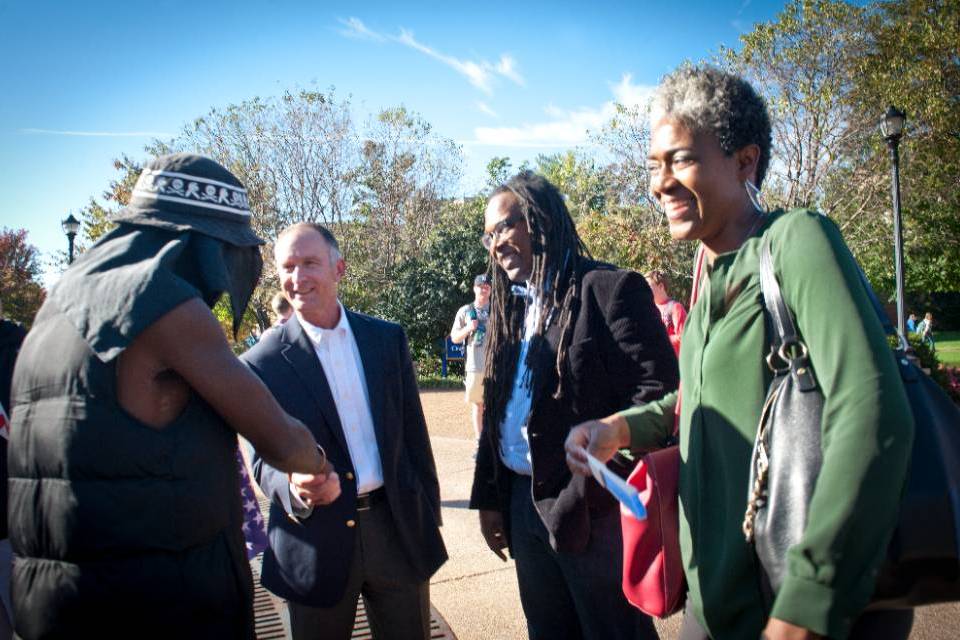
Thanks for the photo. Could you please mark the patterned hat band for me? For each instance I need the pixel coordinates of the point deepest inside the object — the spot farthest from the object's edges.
(185, 189)
(188, 192)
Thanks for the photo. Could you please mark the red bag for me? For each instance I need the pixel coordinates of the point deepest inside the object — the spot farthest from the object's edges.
(652, 569)
(653, 579)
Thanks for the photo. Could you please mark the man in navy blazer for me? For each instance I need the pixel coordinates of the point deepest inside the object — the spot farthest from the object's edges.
(350, 379)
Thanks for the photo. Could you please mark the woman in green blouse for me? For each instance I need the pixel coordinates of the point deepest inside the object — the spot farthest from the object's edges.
(710, 144)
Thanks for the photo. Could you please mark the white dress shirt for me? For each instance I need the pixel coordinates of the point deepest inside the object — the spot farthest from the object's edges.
(340, 358)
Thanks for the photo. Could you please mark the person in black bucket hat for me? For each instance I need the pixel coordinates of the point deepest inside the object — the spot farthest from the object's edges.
(127, 401)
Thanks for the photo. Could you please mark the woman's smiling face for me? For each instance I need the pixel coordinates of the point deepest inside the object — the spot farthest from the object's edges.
(697, 184)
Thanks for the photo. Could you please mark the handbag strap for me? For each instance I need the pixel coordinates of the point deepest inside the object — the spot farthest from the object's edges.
(785, 342)
(785, 330)
(882, 316)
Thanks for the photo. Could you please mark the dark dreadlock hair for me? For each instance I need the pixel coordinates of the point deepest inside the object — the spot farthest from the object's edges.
(557, 252)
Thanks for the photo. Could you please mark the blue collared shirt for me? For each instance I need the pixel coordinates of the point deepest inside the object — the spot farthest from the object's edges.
(514, 441)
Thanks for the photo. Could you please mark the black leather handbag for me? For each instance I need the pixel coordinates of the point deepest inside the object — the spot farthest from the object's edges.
(923, 559)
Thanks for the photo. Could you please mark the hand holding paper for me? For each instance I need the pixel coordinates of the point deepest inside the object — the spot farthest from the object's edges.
(625, 493)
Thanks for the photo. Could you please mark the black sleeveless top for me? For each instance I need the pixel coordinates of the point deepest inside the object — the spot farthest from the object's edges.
(118, 529)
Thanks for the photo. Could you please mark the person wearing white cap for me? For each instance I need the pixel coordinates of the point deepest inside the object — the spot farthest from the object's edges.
(470, 327)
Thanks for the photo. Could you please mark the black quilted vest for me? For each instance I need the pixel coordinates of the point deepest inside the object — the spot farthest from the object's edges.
(118, 529)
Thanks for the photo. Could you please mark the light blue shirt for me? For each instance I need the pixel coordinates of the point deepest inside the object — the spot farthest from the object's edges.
(514, 442)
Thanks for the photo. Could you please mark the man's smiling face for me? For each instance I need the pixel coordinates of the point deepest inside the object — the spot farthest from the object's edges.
(511, 244)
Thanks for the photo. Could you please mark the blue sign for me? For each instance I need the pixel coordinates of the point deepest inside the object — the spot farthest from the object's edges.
(455, 351)
(451, 351)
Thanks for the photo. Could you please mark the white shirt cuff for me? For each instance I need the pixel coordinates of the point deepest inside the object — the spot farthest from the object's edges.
(300, 508)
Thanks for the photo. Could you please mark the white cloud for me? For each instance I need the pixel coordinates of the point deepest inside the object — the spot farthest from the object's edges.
(485, 108)
(359, 31)
(507, 67)
(555, 112)
(629, 94)
(98, 134)
(564, 127)
(479, 73)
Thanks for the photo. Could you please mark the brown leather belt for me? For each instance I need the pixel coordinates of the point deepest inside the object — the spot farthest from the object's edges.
(367, 500)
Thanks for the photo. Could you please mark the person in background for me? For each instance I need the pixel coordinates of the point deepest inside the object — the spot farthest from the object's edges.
(470, 326)
(672, 312)
(125, 513)
(569, 339)
(350, 378)
(912, 323)
(925, 331)
(281, 308)
(12, 335)
(709, 151)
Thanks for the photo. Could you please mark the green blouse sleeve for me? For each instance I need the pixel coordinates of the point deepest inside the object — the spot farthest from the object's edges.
(650, 424)
(867, 429)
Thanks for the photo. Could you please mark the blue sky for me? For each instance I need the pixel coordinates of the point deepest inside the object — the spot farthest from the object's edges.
(84, 82)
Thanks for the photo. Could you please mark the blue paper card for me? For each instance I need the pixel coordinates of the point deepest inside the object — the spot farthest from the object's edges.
(625, 493)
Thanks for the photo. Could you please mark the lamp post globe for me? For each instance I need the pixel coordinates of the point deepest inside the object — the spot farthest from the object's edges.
(71, 226)
(891, 126)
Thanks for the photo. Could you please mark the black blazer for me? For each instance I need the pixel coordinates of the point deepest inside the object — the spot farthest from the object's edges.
(619, 356)
(308, 561)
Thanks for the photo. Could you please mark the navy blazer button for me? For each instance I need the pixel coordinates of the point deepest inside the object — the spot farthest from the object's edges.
(351, 523)
(348, 475)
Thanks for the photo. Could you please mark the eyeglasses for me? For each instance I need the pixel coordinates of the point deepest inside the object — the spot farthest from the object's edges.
(490, 238)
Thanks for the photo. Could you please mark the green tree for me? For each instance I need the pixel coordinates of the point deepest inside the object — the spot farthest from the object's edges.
(427, 289)
(95, 216)
(406, 174)
(625, 140)
(631, 238)
(629, 231)
(301, 157)
(800, 63)
(577, 176)
(912, 60)
(499, 170)
(20, 270)
(828, 69)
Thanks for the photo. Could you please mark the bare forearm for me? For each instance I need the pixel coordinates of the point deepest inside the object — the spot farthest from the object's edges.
(459, 335)
(205, 361)
(290, 448)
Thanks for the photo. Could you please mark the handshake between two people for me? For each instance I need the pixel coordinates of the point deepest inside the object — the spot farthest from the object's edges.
(317, 489)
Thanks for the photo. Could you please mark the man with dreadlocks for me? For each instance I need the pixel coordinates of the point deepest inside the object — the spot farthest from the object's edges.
(569, 339)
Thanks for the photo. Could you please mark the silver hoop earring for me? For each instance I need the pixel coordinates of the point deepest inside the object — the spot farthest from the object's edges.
(656, 205)
(755, 197)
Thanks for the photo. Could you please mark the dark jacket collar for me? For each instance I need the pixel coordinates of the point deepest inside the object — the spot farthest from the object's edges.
(299, 351)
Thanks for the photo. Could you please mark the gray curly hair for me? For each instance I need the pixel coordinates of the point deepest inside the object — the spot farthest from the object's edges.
(707, 99)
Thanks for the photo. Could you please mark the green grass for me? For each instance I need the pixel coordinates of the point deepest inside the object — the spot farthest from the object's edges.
(435, 381)
(948, 347)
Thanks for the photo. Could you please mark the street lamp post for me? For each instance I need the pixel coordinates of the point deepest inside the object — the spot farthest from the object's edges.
(892, 128)
(70, 227)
